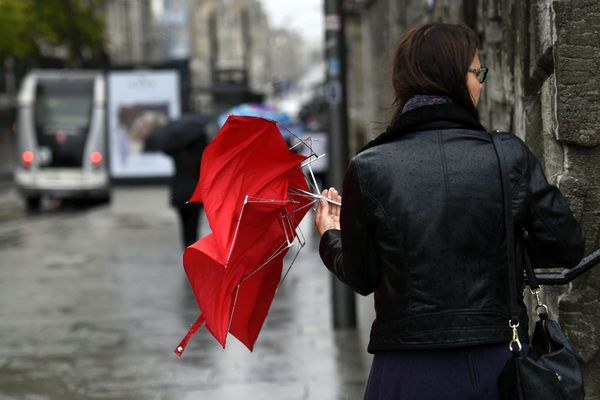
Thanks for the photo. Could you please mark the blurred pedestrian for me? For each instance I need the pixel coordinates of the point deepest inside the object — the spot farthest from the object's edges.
(187, 172)
(422, 227)
(184, 141)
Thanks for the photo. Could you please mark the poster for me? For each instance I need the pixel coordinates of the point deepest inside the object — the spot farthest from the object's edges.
(138, 102)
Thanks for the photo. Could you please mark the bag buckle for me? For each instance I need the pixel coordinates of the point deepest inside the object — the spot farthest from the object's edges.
(540, 305)
(515, 337)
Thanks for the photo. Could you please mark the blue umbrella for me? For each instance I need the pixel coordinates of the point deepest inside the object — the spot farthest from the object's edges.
(263, 111)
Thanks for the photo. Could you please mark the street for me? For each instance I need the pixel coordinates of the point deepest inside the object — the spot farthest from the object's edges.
(93, 302)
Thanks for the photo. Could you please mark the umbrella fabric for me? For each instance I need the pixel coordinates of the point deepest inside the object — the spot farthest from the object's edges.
(177, 134)
(248, 158)
(247, 183)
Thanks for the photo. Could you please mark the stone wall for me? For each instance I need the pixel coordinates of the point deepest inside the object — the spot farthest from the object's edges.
(577, 61)
(543, 85)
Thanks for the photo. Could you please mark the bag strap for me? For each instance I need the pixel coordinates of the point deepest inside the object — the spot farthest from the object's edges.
(532, 280)
(509, 229)
(513, 322)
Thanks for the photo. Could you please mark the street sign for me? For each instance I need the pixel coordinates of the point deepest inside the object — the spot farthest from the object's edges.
(333, 22)
(333, 92)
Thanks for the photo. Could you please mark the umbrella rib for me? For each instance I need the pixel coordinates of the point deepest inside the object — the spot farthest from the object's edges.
(283, 247)
(285, 232)
(291, 265)
(259, 200)
(308, 162)
(303, 193)
(290, 225)
(297, 192)
(296, 136)
(299, 234)
(300, 209)
(312, 151)
(296, 145)
(285, 219)
(237, 291)
(313, 177)
(301, 244)
(318, 196)
(237, 228)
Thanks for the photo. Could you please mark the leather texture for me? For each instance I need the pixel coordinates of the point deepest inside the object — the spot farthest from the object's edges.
(422, 227)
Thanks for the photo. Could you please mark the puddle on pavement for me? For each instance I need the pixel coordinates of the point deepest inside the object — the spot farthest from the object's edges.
(57, 261)
(132, 221)
(11, 238)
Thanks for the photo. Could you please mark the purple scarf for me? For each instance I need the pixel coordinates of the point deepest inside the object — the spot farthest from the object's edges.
(420, 100)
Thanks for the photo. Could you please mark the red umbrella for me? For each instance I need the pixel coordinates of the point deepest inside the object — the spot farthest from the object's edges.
(254, 195)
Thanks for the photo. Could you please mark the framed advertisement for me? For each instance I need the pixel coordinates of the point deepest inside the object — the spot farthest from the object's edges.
(138, 102)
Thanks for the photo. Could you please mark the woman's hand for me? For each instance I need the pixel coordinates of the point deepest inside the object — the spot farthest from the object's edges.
(328, 215)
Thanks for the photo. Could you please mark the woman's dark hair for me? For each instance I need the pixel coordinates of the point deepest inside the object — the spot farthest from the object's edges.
(433, 59)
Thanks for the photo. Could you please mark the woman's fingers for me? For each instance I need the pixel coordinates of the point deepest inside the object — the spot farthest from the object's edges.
(322, 208)
(328, 214)
(325, 195)
(338, 210)
(334, 210)
(323, 219)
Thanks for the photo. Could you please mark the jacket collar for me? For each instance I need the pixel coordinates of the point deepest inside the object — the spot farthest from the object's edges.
(438, 116)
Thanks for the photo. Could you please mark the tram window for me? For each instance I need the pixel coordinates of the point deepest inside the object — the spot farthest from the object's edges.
(63, 106)
(63, 110)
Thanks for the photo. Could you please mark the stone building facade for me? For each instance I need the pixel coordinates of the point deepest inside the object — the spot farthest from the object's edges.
(288, 55)
(141, 32)
(228, 35)
(543, 85)
(128, 28)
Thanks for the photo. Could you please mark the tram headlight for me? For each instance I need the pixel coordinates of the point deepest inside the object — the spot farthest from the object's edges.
(96, 158)
(27, 157)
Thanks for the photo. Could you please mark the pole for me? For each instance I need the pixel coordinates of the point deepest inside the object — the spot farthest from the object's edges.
(344, 315)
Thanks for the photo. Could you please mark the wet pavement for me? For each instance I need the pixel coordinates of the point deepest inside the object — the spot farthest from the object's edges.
(93, 301)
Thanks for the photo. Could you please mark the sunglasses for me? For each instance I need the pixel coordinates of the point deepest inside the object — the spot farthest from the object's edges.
(480, 73)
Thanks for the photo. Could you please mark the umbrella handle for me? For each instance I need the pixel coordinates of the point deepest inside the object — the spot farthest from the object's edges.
(181, 347)
(328, 200)
(337, 203)
(318, 196)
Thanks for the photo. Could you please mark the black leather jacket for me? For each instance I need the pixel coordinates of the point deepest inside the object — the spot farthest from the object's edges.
(422, 227)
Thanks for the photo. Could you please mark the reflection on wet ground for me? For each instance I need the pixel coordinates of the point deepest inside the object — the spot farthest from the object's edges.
(92, 304)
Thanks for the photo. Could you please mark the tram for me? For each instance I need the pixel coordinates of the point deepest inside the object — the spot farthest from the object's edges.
(61, 136)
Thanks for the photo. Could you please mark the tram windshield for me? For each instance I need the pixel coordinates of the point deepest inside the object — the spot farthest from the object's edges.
(64, 106)
(63, 110)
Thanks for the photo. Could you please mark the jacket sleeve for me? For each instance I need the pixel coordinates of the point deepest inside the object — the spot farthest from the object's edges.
(555, 238)
(350, 253)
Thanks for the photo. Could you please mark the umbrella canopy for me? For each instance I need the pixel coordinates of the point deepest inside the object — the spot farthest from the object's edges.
(177, 134)
(251, 186)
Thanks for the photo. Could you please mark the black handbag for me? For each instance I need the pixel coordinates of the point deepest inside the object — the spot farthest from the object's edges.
(548, 369)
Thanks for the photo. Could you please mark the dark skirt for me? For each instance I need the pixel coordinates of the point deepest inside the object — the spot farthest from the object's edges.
(459, 373)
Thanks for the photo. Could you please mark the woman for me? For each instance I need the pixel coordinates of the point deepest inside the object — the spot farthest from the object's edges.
(422, 227)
